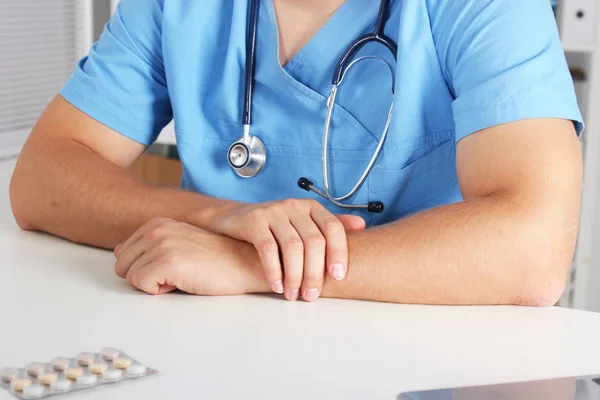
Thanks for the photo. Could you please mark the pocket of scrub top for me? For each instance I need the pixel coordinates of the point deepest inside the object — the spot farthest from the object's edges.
(207, 171)
(427, 182)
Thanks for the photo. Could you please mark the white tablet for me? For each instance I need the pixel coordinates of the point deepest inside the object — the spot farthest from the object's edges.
(580, 388)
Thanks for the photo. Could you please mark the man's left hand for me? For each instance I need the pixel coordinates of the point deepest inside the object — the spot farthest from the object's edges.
(165, 255)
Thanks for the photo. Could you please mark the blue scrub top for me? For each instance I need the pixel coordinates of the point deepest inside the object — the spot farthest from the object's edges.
(462, 66)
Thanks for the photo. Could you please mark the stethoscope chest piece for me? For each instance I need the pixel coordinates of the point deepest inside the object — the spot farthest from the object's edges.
(247, 156)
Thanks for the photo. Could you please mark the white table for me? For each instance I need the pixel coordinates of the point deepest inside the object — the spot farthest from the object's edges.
(58, 298)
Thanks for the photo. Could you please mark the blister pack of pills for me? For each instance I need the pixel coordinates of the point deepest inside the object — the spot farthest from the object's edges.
(63, 375)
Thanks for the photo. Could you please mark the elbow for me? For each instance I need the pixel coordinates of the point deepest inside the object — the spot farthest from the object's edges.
(543, 247)
(18, 202)
(544, 279)
(545, 293)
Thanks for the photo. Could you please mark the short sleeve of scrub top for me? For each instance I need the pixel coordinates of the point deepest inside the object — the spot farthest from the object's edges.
(121, 83)
(504, 61)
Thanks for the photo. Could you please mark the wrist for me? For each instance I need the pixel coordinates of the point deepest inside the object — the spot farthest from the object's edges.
(210, 212)
(342, 289)
(251, 268)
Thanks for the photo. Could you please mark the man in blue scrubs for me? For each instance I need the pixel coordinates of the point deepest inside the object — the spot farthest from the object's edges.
(480, 173)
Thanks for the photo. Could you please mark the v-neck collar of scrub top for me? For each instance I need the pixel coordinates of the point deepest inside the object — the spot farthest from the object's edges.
(314, 62)
(305, 50)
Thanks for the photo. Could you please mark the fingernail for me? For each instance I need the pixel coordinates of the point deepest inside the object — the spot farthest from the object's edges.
(294, 295)
(278, 287)
(311, 294)
(339, 271)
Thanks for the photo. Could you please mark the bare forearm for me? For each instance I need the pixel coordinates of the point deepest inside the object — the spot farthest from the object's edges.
(481, 251)
(67, 190)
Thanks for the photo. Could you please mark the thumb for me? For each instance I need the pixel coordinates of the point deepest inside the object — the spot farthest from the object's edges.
(162, 289)
(352, 222)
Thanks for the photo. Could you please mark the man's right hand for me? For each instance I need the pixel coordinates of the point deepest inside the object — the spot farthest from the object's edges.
(301, 233)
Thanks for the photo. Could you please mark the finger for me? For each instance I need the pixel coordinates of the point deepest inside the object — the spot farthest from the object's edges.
(137, 235)
(151, 278)
(292, 251)
(164, 289)
(140, 263)
(130, 255)
(268, 251)
(336, 258)
(150, 273)
(314, 257)
(352, 222)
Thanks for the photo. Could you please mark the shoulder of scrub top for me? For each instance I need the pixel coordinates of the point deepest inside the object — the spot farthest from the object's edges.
(141, 24)
(504, 61)
(121, 83)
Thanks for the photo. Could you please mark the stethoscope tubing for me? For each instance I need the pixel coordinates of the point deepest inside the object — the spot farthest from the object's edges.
(247, 155)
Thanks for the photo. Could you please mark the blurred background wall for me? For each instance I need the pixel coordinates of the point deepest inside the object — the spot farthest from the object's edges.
(102, 12)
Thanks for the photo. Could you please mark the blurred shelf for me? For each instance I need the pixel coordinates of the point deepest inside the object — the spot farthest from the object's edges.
(579, 48)
(157, 170)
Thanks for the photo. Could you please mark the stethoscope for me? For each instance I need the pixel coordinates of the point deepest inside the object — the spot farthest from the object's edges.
(247, 156)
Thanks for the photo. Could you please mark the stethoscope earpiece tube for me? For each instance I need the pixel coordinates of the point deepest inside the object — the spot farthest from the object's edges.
(376, 36)
(375, 207)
